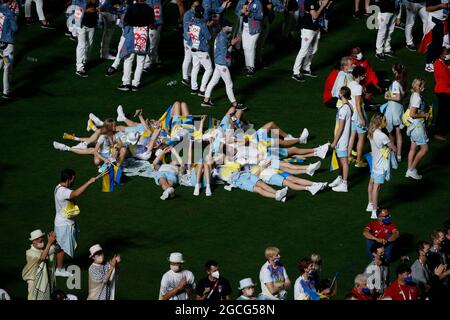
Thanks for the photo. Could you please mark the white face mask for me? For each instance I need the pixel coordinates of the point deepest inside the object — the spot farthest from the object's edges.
(215, 274)
(175, 268)
(447, 57)
(359, 56)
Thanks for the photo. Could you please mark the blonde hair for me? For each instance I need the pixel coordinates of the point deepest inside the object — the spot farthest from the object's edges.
(417, 84)
(360, 279)
(375, 123)
(271, 252)
(108, 126)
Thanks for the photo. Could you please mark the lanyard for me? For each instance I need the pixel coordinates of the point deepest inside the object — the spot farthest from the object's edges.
(403, 294)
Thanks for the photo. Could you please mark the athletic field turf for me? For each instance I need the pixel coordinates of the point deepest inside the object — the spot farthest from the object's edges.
(231, 227)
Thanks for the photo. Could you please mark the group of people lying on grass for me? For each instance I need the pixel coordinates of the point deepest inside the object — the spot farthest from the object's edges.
(231, 151)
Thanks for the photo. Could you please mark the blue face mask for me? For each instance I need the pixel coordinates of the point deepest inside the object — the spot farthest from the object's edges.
(365, 290)
(408, 280)
(278, 262)
(386, 220)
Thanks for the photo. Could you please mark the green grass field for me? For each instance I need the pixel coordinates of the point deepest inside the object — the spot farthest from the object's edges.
(233, 228)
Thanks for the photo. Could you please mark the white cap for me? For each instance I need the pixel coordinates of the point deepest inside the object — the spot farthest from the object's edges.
(36, 234)
(94, 249)
(244, 283)
(176, 257)
(132, 137)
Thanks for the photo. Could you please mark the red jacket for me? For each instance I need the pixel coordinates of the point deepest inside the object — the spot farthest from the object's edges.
(329, 83)
(371, 76)
(441, 76)
(399, 292)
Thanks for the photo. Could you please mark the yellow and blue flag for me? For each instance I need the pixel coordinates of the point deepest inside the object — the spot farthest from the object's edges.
(165, 118)
(334, 162)
(368, 157)
(111, 177)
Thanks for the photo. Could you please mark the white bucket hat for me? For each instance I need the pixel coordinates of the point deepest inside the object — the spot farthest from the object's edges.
(94, 249)
(132, 137)
(247, 282)
(176, 257)
(36, 234)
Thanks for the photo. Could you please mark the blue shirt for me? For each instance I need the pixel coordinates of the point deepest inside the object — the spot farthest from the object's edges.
(255, 16)
(222, 55)
(9, 24)
(198, 35)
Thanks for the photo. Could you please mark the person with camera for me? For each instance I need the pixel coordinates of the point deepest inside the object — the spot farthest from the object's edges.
(102, 275)
(177, 283)
(273, 277)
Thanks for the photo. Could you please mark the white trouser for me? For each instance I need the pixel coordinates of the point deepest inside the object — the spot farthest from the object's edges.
(152, 56)
(249, 46)
(187, 61)
(85, 39)
(412, 10)
(224, 73)
(6, 64)
(109, 25)
(386, 25)
(128, 65)
(39, 9)
(200, 58)
(310, 43)
(265, 27)
(119, 47)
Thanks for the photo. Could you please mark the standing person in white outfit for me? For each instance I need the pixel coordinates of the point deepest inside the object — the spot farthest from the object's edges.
(40, 11)
(310, 35)
(414, 8)
(222, 58)
(138, 19)
(187, 61)
(252, 16)
(386, 25)
(9, 27)
(177, 283)
(198, 37)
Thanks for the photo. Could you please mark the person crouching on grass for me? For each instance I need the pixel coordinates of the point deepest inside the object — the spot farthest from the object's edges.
(341, 139)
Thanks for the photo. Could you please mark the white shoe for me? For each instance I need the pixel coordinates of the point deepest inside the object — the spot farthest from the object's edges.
(208, 192)
(324, 185)
(342, 187)
(290, 138)
(374, 215)
(60, 146)
(429, 67)
(62, 273)
(120, 114)
(228, 187)
(90, 126)
(283, 200)
(313, 167)
(335, 182)
(413, 174)
(81, 145)
(369, 207)
(321, 151)
(96, 120)
(304, 136)
(171, 192)
(165, 194)
(280, 194)
(314, 188)
(197, 190)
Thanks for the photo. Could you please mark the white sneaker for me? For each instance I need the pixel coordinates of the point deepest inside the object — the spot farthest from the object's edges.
(171, 192)
(228, 187)
(369, 207)
(96, 120)
(324, 185)
(90, 126)
(335, 182)
(283, 200)
(374, 215)
(165, 194)
(62, 273)
(280, 194)
(413, 174)
(81, 145)
(314, 188)
(313, 167)
(342, 187)
(304, 136)
(197, 190)
(60, 146)
(120, 114)
(208, 192)
(290, 138)
(429, 67)
(321, 151)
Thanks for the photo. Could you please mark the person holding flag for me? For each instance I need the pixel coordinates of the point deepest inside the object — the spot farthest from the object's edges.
(304, 288)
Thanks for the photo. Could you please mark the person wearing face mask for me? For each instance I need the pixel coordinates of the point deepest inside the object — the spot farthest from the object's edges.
(102, 275)
(213, 286)
(273, 277)
(40, 267)
(381, 147)
(377, 272)
(360, 290)
(371, 82)
(223, 47)
(382, 231)
(343, 78)
(177, 283)
(416, 130)
(304, 288)
(442, 91)
(247, 288)
(403, 288)
(420, 270)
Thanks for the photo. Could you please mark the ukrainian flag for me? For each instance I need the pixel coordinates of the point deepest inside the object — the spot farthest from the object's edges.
(165, 118)
(334, 162)
(368, 157)
(294, 160)
(112, 176)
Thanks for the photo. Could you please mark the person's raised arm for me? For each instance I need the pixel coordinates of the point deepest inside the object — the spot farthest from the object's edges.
(437, 7)
(178, 289)
(76, 193)
(51, 239)
(316, 13)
